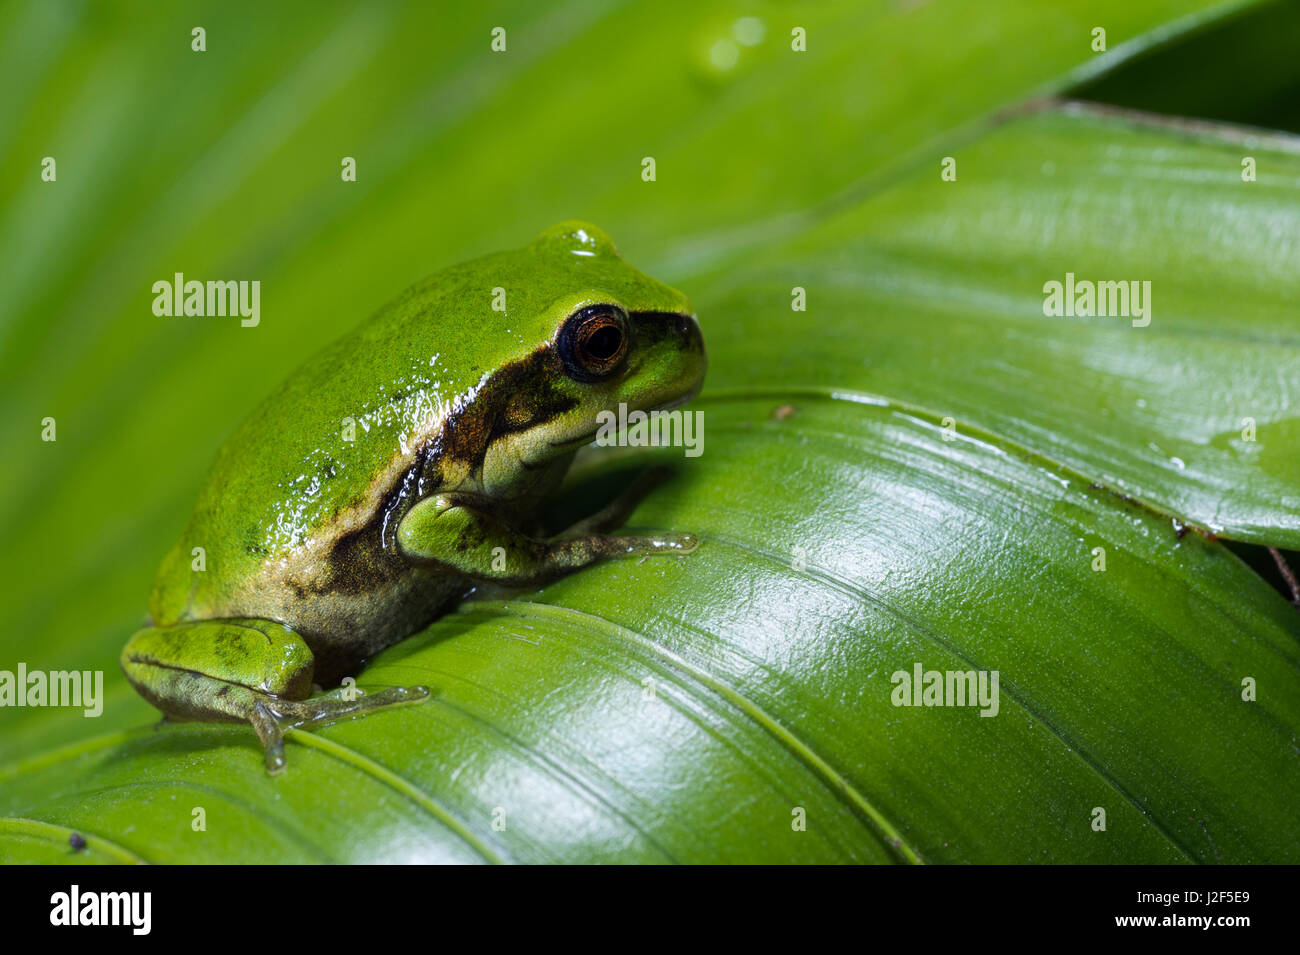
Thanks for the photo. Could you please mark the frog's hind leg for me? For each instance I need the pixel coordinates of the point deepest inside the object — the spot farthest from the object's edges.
(248, 670)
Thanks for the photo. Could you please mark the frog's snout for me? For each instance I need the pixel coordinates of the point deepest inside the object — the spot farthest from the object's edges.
(670, 332)
(672, 359)
(685, 327)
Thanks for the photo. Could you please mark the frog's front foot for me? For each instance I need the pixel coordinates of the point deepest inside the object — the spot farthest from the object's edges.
(254, 671)
(481, 546)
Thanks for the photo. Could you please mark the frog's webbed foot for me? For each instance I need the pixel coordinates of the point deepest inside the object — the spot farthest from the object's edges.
(242, 670)
(270, 718)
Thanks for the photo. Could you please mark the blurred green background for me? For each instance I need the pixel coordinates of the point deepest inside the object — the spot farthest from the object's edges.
(775, 168)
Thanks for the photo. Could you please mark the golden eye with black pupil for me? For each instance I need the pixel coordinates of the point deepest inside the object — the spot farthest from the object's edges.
(593, 342)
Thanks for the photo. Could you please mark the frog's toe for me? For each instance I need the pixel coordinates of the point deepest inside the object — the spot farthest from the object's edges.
(332, 707)
(270, 732)
(272, 716)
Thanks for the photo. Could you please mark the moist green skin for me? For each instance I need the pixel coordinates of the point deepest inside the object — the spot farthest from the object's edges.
(320, 551)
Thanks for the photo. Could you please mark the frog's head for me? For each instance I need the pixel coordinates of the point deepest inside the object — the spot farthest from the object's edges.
(609, 336)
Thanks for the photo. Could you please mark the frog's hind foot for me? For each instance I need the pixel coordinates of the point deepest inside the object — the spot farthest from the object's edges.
(272, 717)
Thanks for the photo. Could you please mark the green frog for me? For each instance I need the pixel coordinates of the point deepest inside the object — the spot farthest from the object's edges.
(401, 467)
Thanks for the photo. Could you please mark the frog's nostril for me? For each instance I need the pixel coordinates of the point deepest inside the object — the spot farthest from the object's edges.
(689, 329)
(685, 325)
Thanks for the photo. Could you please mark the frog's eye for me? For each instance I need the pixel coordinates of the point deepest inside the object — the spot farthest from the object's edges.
(593, 342)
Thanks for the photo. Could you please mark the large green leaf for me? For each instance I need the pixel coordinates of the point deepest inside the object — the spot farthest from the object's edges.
(684, 709)
(459, 151)
(932, 293)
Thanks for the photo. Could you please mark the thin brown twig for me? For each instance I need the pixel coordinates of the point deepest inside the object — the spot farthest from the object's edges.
(1287, 574)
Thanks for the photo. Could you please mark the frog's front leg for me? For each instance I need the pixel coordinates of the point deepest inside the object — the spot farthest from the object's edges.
(480, 545)
(248, 670)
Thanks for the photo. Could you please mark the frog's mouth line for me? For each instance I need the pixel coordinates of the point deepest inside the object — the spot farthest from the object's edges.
(590, 436)
(677, 402)
(573, 442)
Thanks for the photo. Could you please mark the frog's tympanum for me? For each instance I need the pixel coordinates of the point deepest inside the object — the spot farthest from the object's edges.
(399, 468)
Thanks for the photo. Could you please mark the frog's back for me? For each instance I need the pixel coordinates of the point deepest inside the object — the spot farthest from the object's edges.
(317, 456)
(313, 458)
